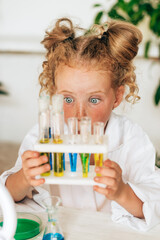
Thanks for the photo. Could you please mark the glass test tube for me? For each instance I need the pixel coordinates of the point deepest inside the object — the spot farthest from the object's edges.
(73, 132)
(58, 131)
(98, 131)
(50, 134)
(44, 124)
(85, 131)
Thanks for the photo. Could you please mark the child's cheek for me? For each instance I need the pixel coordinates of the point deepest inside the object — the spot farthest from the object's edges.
(68, 112)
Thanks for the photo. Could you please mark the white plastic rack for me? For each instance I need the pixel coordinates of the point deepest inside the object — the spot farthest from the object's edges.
(73, 178)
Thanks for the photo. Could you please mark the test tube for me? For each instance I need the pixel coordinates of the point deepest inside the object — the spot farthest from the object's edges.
(85, 131)
(73, 132)
(50, 134)
(98, 131)
(58, 131)
(44, 119)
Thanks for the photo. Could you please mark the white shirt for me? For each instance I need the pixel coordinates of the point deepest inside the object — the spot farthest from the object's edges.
(131, 148)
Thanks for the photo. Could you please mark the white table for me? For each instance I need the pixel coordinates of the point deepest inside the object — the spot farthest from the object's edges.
(87, 225)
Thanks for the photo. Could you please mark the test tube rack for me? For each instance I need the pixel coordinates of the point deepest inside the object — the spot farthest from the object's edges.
(73, 178)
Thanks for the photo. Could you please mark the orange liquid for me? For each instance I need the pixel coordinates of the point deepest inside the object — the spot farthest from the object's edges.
(98, 159)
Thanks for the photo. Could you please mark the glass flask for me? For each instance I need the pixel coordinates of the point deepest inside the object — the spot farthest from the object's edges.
(52, 230)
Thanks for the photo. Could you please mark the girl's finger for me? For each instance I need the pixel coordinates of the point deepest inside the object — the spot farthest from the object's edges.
(32, 172)
(101, 190)
(36, 182)
(108, 181)
(35, 162)
(109, 172)
(30, 154)
(112, 164)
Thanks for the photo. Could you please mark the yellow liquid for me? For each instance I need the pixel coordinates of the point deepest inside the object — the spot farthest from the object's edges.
(45, 140)
(58, 160)
(85, 159)
(98, 159)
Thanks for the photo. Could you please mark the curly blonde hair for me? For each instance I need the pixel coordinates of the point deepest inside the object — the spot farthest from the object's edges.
(111, 49)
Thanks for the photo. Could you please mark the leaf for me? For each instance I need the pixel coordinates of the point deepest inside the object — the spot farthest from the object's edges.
(113, 14)
(154, 22)
(98, 17)
(148, 8)
(157, 95)
(3, 92)
(97, 5)
(136, 17)
(147, 47)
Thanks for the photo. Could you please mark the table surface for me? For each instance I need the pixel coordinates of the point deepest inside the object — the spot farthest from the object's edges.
(86, 225)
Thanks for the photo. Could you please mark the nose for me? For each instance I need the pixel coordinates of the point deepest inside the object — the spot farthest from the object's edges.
(81, 111)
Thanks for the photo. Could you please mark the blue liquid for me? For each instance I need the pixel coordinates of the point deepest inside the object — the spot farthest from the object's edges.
(50, 236)
(50, 154)
(73, 161)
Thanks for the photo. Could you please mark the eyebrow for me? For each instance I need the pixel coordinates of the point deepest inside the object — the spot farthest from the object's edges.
(64, 91)
(98, 92)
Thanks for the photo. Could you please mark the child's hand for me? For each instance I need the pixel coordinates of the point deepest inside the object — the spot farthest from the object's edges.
(32, 166)
(111, 176)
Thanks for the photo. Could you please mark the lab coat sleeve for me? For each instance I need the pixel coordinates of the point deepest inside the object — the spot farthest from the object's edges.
(140, 173)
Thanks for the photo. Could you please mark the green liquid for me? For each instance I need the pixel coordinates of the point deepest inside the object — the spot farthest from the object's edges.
(85, 158)
(26, 229)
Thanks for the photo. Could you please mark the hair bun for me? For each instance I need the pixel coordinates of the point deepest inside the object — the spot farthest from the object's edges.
(62, 31)
(123, 40)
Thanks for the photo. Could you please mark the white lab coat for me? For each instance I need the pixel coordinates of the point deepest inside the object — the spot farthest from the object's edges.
(131, 148)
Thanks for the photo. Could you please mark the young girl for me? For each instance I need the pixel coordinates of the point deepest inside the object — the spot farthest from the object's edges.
(94, 72)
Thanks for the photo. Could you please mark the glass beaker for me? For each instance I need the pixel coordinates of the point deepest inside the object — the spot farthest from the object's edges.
(52, 229)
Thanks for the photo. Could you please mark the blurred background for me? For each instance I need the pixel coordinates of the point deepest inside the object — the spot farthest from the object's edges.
(22, 27)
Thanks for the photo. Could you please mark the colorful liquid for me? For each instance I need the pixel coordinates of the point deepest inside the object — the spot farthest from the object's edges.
(85, 162)
(73, 161)
(44, 141)
(52, 236)
(58, 160)
(98, 159)
(26, 229)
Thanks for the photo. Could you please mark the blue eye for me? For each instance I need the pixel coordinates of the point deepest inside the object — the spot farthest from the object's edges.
(94, 100)
(68, 100)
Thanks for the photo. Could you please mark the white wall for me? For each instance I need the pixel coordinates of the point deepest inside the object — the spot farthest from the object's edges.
(18, 111)
(22, 25)
(145, 113)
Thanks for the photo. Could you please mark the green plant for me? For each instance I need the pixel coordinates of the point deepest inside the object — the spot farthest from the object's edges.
(2, 91)
(157, 95)
(157, 161)
(135, 11)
